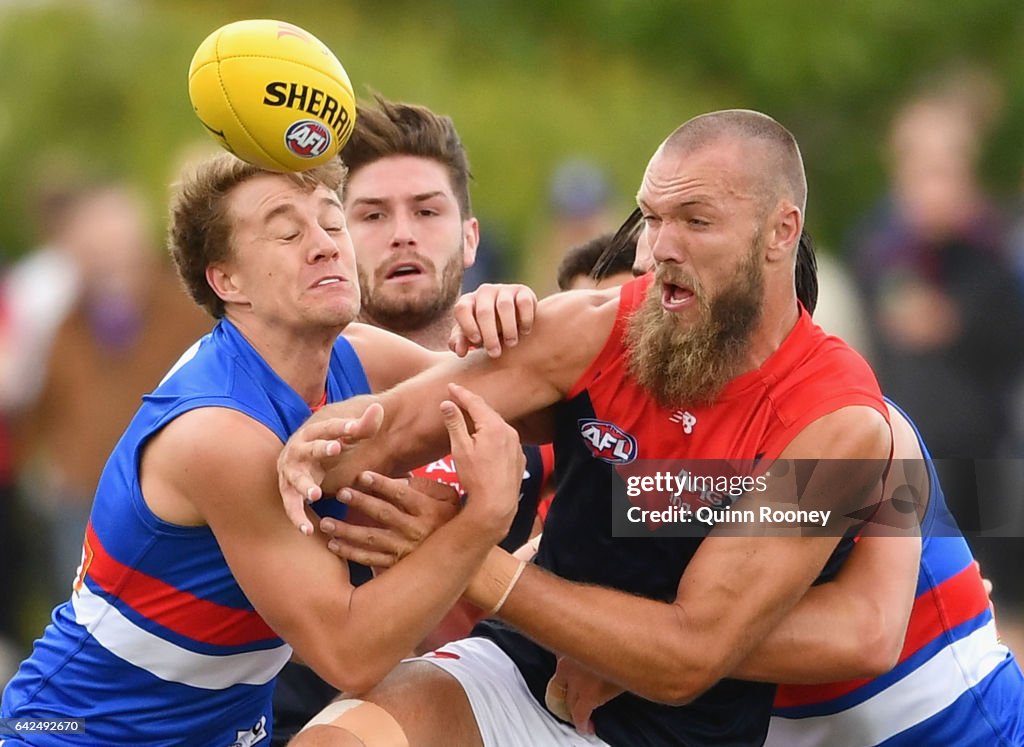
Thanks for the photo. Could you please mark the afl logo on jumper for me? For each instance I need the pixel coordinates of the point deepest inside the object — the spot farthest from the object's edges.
(308, 138)
(607, 441)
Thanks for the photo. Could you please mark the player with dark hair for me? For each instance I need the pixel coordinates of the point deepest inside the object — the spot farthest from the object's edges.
(578, 267)
(408, 211)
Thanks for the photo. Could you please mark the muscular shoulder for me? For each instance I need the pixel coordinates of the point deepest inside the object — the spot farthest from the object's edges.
(853, 432)
(205, 456)
(388, 358)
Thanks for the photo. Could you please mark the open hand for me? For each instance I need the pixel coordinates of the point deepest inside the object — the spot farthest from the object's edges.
(311, 451)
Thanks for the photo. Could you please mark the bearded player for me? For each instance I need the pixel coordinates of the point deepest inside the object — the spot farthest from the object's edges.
(717, 333)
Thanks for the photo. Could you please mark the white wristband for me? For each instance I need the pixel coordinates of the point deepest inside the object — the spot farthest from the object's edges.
(508, 589)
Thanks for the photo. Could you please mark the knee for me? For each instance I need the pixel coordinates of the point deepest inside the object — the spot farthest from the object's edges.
(352, 723)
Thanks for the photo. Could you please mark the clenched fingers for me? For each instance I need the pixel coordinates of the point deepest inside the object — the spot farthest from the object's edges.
(375, 546)
(384, 512)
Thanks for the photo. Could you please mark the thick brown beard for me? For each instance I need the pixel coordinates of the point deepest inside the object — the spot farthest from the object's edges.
(691, 366)
(410, 313)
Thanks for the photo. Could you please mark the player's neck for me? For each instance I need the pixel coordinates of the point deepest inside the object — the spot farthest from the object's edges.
(779, 317)
(300, 358)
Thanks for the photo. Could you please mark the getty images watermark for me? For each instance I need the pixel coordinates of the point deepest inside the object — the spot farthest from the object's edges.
(815, 497)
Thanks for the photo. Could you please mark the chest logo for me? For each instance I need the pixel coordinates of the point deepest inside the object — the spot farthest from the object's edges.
(685, 418)
(607, 441)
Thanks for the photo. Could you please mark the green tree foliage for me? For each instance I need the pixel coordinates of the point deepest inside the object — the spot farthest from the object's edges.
(100, 87)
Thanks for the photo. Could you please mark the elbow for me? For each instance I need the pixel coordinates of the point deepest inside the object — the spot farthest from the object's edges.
(352, 680)
(878, 647)
(681, 684)
(345, 669)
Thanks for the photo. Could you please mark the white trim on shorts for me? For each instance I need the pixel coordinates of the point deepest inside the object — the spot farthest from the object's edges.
(506, 712)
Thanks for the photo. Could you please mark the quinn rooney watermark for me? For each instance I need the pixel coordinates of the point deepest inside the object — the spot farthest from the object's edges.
(715, 516)
(712, 491)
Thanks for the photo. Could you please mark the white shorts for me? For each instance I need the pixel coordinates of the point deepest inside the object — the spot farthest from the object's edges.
(506, 712)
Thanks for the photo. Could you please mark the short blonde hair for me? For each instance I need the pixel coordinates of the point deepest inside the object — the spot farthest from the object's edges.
(199, 228)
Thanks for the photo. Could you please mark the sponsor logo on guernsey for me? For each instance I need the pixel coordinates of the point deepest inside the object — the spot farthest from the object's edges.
(449, 475)
(251, 736)
(607, 441)
(685, 418)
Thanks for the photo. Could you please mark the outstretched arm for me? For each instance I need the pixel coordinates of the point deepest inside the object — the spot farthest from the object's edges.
(850, 627)
(351, 636)
(525, 379)
(672, 652)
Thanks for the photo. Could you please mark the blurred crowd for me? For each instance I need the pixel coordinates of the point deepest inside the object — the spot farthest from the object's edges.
(90, 320)
(929, 286)
(932, 293)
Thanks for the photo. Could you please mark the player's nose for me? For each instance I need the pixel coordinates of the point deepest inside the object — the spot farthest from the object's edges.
(667, 245)
(402, 233)
(323, 245)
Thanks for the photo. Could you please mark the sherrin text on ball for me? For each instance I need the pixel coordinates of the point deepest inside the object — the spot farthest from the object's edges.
(272, 94)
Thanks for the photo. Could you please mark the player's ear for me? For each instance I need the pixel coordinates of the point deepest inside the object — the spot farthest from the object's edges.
(783, 233)
(470, 241)
(225, 283)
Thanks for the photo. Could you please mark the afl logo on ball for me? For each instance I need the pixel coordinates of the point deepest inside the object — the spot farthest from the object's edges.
(308, 138)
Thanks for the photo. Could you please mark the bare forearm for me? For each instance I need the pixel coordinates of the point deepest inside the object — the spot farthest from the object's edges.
(642, 645)
(408, 438)
(823, 639)
(413, 432)
(848, 628)
(395, 611)
(389, 616)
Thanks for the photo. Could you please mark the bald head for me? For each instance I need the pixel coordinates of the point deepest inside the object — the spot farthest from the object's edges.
(780, 169)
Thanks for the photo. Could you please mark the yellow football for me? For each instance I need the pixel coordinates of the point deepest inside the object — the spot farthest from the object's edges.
(272, 94)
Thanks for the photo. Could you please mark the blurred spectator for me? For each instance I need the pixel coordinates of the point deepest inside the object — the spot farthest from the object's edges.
(36, 294)
(40, 288)
(579, 198)
(945, 313)
(1017, 259)
(131, 321)
(12, 557)
(930, 258)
